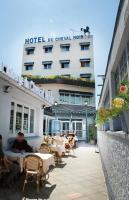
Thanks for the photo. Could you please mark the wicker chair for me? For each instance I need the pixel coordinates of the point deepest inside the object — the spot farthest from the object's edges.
(3, 170)
(44, 148)
(33, 166)
(70, 145)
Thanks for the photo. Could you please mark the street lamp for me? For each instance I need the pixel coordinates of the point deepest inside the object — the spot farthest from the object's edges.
(55, 104)
(87, 136)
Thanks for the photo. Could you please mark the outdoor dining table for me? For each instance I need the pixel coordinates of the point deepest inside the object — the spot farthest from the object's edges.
(58, 148)
(48, 159)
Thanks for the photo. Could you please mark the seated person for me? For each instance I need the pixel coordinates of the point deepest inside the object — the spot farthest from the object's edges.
(12, 168)
(20, 144)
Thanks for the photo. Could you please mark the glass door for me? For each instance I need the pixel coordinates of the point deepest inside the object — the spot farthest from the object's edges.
(77, 128)
(65, 126)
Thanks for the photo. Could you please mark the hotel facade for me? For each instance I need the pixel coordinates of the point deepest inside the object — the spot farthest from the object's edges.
(65, 67)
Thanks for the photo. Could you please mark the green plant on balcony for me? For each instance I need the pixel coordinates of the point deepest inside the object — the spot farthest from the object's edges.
(119, 104)
(33, 77)
(92, 133)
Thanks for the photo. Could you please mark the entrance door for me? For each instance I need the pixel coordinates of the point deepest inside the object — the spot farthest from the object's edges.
(77, 127)
(65, 126)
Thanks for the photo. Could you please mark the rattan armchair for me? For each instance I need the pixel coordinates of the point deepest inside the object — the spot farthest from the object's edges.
(33, 166)
(44, 148)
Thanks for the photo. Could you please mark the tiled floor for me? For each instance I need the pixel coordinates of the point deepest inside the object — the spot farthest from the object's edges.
(78, 177)
(81, 178)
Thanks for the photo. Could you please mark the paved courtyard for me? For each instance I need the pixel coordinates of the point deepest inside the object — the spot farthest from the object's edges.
(78, 177)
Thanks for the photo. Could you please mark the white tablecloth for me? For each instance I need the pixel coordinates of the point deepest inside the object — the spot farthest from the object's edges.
(58, 148)
(48, 159)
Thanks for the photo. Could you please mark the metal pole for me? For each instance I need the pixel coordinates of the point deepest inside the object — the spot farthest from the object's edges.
(86, 126)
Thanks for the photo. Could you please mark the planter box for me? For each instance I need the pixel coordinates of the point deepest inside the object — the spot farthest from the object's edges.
(106, 126)
(117, 126)
(125, 121)
(92, 142)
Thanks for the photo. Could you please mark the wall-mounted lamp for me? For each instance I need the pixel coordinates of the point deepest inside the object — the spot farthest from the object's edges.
(7, 89)
(43, 106)
(55, 103)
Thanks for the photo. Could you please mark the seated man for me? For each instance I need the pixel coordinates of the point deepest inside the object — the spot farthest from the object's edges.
(20, 144)
(13, 169)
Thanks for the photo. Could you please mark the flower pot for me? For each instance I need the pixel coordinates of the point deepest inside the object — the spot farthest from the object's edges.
(92, 142)
(117, 126)
(106, 126)
(125, 121)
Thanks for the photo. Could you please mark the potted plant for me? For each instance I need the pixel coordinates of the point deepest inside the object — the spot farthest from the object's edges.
(119, 110)
(92, 134)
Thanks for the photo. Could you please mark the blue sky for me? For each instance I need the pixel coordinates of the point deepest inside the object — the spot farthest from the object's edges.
(20, 19)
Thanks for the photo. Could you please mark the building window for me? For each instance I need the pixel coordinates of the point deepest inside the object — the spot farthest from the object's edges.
(128, 50)
(84, 46)
(117, 79)
(85, 62)
(26, 120)
(47, 65)
(85, 76)
(31, 120)
(29, 66)
(64, 63)
(48, 49)
(123, 67)
(21, 119)
(76, 98)
(30, 50)
(65, 47)
(12, 117)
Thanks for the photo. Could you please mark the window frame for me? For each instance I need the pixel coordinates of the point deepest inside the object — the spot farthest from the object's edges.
(31, 49)
(29, 65)
(64, 62)
(65, 47)
(86, 46)
(47, 63)
(85, 62)
(14, 131)
(48, 47)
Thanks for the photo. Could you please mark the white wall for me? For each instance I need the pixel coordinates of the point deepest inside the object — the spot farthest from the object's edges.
(23, 98)
(74, 55)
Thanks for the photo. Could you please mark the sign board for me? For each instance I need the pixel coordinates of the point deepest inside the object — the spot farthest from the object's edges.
(41, 39)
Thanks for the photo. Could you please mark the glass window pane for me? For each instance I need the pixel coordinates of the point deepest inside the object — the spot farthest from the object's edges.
(18, 118)
(26, 118)
(78, 99)
(73, 99)
(11, 117)
(31, 120)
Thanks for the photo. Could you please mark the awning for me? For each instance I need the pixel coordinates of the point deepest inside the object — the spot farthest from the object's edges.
(64, 45)
(46, 62)
(85, 60)
(64, 61)
(47, 46)
(29, 48)
(85, 43)
(28, 63)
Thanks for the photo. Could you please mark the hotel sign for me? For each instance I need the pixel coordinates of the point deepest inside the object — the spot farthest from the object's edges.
(41, 39)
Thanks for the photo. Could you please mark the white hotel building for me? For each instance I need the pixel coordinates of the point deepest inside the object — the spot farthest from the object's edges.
(21, 107)
(65, 67)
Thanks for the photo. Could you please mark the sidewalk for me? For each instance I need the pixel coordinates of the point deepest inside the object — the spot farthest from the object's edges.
(81, 178)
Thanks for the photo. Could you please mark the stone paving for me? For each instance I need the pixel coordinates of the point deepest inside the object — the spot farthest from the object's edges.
(78, 177)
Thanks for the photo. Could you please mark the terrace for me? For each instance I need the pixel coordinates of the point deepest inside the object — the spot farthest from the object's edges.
(79, 176)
